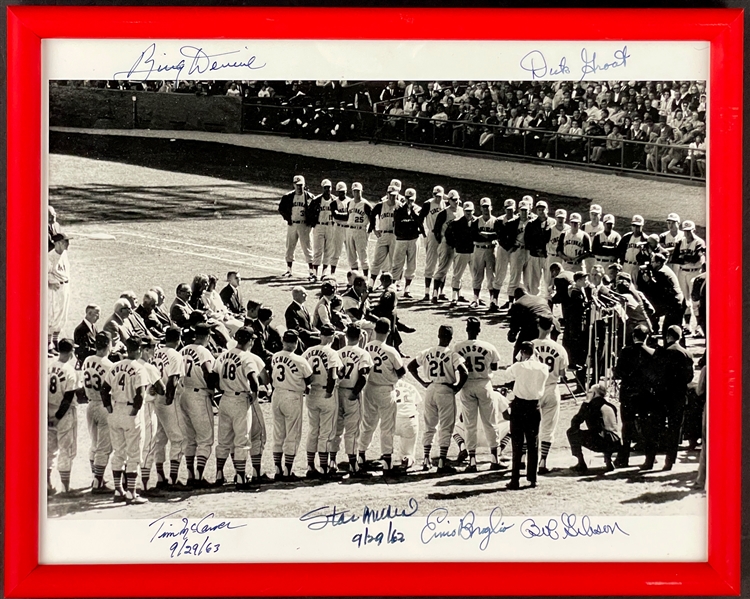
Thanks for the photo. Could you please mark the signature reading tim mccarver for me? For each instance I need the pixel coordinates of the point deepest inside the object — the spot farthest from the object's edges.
(193, 60)
(188, 536)
(536, 63)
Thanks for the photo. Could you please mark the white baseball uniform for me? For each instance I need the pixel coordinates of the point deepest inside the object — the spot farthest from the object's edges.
(407, 427)
(591, 230)
(431, 209)
(298, 230)
(355, 362)
(385, 246)
(572, 245)
(340, 228)
(483, 258)
(195, 401)
(169, 417)
(149, 422)
(125, 379)
(356, 234)
(438, 367)
(288, 374)
(555, 357)
(58, 272)
(519, 259)
(321, 409)
(94, 369)
(378, 401)
(324, 234)
(62, 439)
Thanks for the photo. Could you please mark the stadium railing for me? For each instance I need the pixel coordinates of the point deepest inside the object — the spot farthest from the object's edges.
(626, 156)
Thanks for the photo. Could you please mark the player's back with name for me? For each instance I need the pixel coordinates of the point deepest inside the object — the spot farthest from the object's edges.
(61, 377)
(94, 370)
(321, 359)
(125, 378)
(554, 355)
(194, 358)
(234, 367)
(439, 364)
(289, 371)
(479, 357)
(169, 362)
(385, 362)
(353, 359)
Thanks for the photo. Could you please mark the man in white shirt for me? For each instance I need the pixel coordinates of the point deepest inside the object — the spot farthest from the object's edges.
(444, 375)
(529, 376)
(58, 289)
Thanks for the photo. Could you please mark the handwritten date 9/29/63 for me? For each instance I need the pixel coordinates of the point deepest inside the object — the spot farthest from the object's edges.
(536, 63)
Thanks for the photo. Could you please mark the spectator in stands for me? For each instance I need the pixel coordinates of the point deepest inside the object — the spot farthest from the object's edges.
(233, 90)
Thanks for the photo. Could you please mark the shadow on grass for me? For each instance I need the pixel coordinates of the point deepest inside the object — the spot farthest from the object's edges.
(659, 497)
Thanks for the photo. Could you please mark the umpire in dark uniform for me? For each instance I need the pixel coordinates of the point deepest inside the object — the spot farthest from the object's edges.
(635, 369)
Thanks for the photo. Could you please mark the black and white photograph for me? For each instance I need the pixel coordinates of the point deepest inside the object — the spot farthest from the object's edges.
(342, 302)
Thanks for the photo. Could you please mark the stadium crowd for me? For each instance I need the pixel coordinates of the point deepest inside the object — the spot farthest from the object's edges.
(155, 376)
(657, 126)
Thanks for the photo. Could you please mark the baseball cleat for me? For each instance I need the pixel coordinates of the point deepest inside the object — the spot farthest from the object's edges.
(532, 484)
(442, 297)
(544, 470)
(426, 297)
(393, 473)
(312, 473)
(454, 303)
(462, 455)
(446, 469)
(360, 474)
(493, 308)
(407, 295)
(461, 298)
(118, 497)
(470, 469)
(474, 305)
(291, 478)
(513, 485)
(406, 463)
(135, 500)
(163, 484)
(496, 466)
(287, 274)
(219, 482)
(580, 468)
(505, 306)
(426, 465)
(263, 479)
(434, 299)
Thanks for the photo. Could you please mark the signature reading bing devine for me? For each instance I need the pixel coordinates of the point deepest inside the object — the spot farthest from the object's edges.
(195, 59)
(536, 63)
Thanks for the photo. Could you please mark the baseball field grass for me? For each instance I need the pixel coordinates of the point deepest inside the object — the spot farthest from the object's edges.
(197, 211)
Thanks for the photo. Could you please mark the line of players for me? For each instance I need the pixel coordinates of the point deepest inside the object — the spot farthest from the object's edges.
(522, 243)
(159, 397)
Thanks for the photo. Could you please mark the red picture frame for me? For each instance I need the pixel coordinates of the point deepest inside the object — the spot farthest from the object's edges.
(25, 577)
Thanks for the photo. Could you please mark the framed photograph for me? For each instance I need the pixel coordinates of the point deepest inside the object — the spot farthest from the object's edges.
(373, 302)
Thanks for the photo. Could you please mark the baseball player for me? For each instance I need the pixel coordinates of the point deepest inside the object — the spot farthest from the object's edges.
(58, 289)
(322, 400)
(444, 375)
(378, 400)
(670, 239)
(238, 377)
(604, 243)
(592, 228)
(407, 399)
(94, 369)
(483, 259)
(504, 233)
(168, 416)
(573, 246)
(62, 417)
(452, 211)
(536, 240)
(459, 237)
(291, 376)
(381, 221)
(519, 255)
(360, 211)
(476, 396)
(293, 208)
(556, 358)
(148, 412)
(556, 231)
(122, 395)
(340, 213)
(355, 367)
(691, 252)
(323, 230)
(630, 244)
(195, 403)
(431, 208)
(407, 225)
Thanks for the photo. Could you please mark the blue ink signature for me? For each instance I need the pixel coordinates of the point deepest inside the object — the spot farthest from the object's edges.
(183, 530)
(195, 59)
(321, 517)
(438, 526)
(535, 63)
(590, 67)
(567, 527)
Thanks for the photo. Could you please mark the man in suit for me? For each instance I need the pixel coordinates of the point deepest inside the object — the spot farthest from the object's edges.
(160, 313)
(147, 317)
(181, 309)
(116, 326)
(84, 335)
(298, 319)
(268, 339)
(231, 296)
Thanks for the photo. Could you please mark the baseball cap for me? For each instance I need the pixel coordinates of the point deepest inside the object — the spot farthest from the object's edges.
(653, 237)
(396, 183)
(468, 206)
(528, 199)
(102, 340)
(325, 183)
(172, 334)
(575, 217)
(392, 189)
(411, 193)
(383, 325)
(298, 179)
(327, 330)
(673, 216)
(340, 186)
(66, 345)
(202, 329)
(473, 322)
(595, 208)
(59, 237)
(609, 218)
(453, 194)
(542, 204)
(561, 212)
(445, 330)
(438, 189)
(290, 336)
(356, 186)
(244, 335)
(637, 220)
(675, 331)
(133, 343)
(485, 202)
(509, 203)
(579, 275)
(688, 225)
